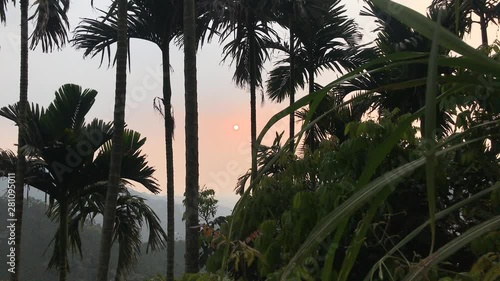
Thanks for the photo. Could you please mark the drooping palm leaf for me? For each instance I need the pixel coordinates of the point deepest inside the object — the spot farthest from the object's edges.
(277, 85)
(96, 36)
(134, 167)
(51, 24)
(238, 49)
(131, 215)
(3, 9)
(8, 160)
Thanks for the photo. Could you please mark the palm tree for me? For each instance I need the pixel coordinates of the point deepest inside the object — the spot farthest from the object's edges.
(50, 29)
(396, 37)
(68, 159)
(158, 22)
(487, 11)
(117, 147)
(286, 16)
(132, 214)
(21, 162)
(248, 24)
(191, 129)
(325, 40)
(334, 123)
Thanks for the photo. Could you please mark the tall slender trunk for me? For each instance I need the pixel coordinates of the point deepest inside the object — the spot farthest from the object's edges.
(253, 96)
(292, 86)
(312, 145)
(21, 161)
(63, 238)
(169, 154)
(117, 144)
(191, 128)
(484, 28)
(310, 70)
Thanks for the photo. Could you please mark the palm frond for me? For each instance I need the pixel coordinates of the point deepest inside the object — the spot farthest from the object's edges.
(265, 154)
(74, 243)
(51, 24)
(151, 20)
(68, 110)
(247, 22)
(134, 164)
(3, 9)
(132, 213)
(278, 88)
(8, 161)
(96, 36)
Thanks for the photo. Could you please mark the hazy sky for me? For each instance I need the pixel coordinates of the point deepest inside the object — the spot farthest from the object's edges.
(224, 152)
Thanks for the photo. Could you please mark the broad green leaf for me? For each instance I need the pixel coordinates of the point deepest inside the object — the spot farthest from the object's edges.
(328, 224)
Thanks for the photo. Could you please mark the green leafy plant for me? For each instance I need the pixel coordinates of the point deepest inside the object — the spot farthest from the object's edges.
(352, 217)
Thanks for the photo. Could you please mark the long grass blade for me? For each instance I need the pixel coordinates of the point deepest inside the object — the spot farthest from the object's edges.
(427, 28)
(430, 132)
(326, 274)
(353, 203)
(451, 247)
(397, 59)
(440, 215)
(360, 234)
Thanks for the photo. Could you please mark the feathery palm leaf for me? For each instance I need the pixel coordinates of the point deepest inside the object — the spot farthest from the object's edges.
(131, 214)
(239, 47)
(8, 160)
(134, 167)
(3, 9)
(51, 27)
(327, 42)
(96, 36)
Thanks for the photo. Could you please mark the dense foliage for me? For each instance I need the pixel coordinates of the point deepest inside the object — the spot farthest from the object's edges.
(376, 196)
(410, 194)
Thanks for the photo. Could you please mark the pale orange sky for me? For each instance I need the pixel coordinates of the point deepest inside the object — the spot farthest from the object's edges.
(224, 153)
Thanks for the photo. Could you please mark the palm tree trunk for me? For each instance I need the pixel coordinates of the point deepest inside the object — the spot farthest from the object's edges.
(253, 96)
(484, 28)
(21, 161)
(191, 128)
(117, 141)
(63, 239)
(292, 87)
(169, 154)
(310, 71)
(312, 145)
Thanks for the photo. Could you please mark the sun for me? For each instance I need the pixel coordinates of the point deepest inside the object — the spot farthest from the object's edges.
(236, 127)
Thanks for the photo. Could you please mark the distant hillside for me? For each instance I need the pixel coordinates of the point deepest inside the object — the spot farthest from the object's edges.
(157, 203)
(38, 231)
